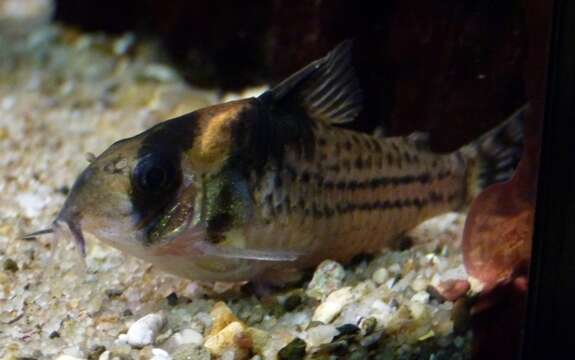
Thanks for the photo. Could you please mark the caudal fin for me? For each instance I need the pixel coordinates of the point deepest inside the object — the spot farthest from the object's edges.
(494, 156)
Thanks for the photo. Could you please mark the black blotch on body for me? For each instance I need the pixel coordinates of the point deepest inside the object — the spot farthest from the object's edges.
(389, 158)
(377, 146)
(219, 224)
(347, 145)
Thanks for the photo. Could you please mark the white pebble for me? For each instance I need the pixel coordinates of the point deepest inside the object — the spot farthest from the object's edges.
(421, 297)
(380, 276)
(31, 203)
(105, 355)
(228, 355)
(328, 277)
(321, 334)
(160, 354)
(395, 269)
(402, 284)
(383, 312)
(7, 103)
(187, 336)
(333, 305)
(419, 284)
(417, 309)
(67, 357)
(122, 339)
(144, 331)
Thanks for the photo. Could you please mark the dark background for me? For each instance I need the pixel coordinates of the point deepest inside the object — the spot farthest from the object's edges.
(451, 67)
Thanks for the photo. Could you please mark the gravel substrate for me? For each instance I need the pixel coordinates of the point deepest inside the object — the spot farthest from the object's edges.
(64, 94)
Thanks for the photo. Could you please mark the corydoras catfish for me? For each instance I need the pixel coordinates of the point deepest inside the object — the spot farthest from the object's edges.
(253, 188)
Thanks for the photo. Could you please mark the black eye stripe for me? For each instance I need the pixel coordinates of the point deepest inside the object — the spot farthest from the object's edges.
(155, 180)
(154, 173)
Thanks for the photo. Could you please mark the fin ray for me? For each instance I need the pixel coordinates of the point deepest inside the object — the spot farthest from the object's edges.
(326, 90)
(494, 156)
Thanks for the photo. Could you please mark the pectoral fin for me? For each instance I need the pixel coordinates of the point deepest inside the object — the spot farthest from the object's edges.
(228, 252)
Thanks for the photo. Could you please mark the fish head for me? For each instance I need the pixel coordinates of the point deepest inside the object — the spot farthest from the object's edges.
(145, 189)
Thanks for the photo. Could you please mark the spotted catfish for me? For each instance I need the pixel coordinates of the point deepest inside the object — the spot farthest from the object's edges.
(252, 188)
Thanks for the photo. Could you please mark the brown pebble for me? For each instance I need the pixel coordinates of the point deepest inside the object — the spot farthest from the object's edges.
(292, 302)
(10, 265)
(172, 299)
(113, 293)
(295, 350)
(371, 340)
(96, 351)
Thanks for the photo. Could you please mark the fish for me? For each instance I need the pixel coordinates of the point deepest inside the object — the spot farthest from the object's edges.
(259, 187)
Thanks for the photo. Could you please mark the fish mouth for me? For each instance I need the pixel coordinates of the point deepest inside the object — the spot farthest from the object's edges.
(74, 229)
(58, 227)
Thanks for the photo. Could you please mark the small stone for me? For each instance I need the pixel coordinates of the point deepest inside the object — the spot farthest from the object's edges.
(54, 335)
(160, 354)
(321, 334)
(21, 17)
(404, 282)
(187, 336)
(225, 339)
(419, 284)
(417, 309)
(64, 190)
(96, 352)
(113, 293)
(229, 355)
(459, 341)
(105, 355)
(380, 276)
(371, 339)
(67, 357)
(10, 265)
(327, 278)
(295, 350)
(358, 353)
(222, 316)
(145, 330)
(368, 325)
(421, 297)
(347, 329)
(427, 335)
(292, 302)
(191, 352)
(259, 339)
(333, 304)
(451, 290)
(395, 269)
(172, 299)
(163, 336)
(122, 339)
(337, 348)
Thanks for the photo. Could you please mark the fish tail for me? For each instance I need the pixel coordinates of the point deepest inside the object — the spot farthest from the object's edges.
(494, 156)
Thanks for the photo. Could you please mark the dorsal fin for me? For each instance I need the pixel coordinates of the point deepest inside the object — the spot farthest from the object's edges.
(326, 90)
(420, 139)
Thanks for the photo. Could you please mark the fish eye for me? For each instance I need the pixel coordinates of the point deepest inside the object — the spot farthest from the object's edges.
(154, 173)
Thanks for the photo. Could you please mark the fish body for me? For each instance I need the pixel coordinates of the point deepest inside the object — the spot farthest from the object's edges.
(256, 187)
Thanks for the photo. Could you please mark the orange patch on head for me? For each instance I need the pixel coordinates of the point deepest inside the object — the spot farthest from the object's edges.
(214, 141)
